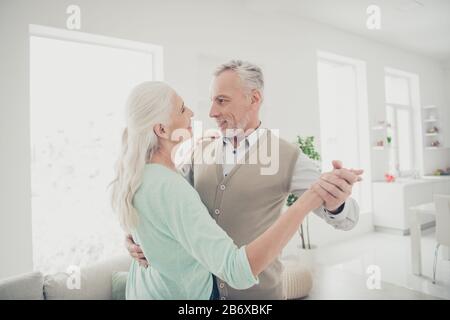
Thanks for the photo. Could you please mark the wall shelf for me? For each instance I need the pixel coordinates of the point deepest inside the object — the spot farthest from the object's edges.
(380, 133)
(436, 148)
(430, 115)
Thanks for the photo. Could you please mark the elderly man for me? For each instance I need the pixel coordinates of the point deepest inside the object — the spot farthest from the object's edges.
(245, 202)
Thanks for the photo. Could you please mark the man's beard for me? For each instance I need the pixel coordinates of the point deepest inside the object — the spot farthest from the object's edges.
(238, 129)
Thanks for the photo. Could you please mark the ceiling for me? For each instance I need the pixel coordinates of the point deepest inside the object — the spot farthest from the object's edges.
(421, 26)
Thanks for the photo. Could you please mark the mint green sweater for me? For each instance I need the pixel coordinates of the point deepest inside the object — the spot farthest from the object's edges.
(183, 244)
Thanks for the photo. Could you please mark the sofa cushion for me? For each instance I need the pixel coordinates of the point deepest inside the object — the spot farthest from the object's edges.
(119, 285)
(95, 281)
(27, 286)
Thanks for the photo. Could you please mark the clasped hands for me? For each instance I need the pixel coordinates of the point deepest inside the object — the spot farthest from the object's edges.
(335, 187)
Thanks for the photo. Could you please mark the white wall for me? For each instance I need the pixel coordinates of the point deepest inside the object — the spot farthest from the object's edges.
(446, 67)
(446, 109)
(188, 30)
(440, 159)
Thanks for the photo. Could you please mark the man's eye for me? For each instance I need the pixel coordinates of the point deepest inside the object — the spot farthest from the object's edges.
(182, 110)
(221, 100)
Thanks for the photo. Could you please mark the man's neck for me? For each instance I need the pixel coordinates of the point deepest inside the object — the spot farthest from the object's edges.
(250, 128)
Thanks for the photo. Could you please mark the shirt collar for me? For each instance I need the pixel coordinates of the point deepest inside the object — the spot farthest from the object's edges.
(251, 138)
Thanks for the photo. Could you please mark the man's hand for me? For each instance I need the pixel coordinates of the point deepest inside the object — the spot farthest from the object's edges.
(336, 186)
(135, 251)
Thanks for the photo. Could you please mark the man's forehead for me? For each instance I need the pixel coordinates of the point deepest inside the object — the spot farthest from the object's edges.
(225, 84)
(215, 93)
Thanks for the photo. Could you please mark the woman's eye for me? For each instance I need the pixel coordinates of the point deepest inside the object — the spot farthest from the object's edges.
(182, 110)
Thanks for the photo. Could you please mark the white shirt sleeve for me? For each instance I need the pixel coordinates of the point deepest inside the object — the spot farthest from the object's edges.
(306, 172)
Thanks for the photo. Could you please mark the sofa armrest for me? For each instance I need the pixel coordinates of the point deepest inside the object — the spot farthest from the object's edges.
(95, 284)
(28, 286)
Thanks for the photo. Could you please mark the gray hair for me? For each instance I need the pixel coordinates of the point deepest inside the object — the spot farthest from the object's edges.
(250, 74)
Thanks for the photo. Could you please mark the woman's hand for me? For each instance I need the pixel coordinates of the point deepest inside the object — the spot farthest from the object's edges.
(135, 251)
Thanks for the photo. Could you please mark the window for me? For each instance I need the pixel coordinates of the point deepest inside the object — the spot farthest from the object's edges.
(399, 114)
(344, 117)
(79, 84)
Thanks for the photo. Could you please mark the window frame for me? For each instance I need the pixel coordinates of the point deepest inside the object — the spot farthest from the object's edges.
(362, 115)
(81, 37)
(394, 125)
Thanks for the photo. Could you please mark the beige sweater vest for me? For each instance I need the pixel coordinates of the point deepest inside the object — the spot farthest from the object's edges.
(245, 203)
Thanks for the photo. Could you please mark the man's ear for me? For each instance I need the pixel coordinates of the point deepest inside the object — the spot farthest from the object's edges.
(159, 130)
(256, 98)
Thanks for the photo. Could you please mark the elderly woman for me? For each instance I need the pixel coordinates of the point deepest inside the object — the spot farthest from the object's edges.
(167, 218)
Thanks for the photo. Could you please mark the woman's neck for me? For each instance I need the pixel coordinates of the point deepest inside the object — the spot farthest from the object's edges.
(163, 156)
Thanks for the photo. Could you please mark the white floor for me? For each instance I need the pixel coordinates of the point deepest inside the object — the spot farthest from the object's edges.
(340, 270)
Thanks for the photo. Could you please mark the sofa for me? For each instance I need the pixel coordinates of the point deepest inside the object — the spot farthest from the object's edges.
(106, 281)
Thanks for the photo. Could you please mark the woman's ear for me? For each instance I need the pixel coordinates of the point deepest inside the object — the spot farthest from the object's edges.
(159, 130)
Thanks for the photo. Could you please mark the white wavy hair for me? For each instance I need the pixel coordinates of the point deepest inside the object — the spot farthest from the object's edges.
(149, 103)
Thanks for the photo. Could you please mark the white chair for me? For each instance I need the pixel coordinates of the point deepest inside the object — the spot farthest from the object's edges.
(442, 203)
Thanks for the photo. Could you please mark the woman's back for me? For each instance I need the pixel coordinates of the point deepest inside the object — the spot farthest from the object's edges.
(181, 241)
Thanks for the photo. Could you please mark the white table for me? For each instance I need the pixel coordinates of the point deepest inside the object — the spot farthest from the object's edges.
(416, 233)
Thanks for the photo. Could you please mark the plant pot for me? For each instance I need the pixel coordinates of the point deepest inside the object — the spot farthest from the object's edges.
(306, 257)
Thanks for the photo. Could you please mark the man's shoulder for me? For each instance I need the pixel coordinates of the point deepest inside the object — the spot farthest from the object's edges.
(284, 144)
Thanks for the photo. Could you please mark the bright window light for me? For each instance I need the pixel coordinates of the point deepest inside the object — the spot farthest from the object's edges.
(397, 90)
(399, 113)
(78, 94)
(343, 118)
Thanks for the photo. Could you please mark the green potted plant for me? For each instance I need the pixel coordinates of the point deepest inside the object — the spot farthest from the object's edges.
(306, 145)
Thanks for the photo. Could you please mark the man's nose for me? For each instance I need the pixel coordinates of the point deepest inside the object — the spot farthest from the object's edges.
(213, 111)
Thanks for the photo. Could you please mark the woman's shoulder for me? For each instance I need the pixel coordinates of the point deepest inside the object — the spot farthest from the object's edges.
(159, 177)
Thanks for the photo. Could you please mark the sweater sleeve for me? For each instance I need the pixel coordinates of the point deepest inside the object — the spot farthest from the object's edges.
(191, 225)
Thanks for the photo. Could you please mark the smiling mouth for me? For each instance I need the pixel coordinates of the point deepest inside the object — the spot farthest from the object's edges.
(222, 123)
